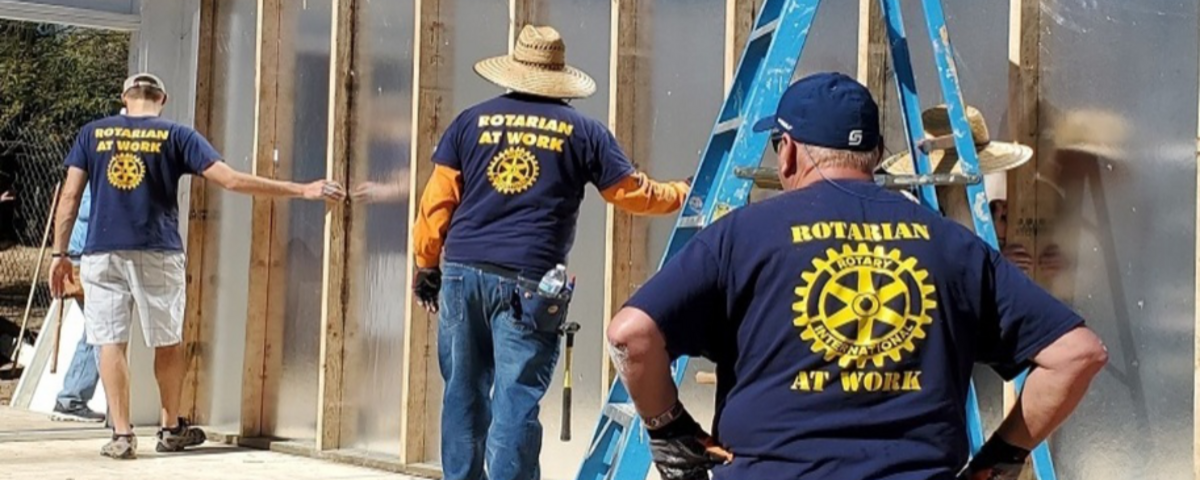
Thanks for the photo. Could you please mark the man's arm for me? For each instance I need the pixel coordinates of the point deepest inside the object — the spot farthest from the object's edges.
(233, 180)
(1054, 388)
(641, 195)
(64, 215)
(639, 350)
(68, 208)
(442, 195)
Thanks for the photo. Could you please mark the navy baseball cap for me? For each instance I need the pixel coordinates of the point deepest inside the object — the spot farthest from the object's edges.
(828, 110)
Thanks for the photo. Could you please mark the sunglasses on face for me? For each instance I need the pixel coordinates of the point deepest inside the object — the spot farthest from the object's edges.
(776, 140)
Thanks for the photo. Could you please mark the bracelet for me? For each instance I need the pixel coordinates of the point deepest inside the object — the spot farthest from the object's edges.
(658, 421)
(60, 255)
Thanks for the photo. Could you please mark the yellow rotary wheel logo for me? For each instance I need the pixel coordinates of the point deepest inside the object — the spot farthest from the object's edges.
(863, 304)
(513, 170)
(125, 171)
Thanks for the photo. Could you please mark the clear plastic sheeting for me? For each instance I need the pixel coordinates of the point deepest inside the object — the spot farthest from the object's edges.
(302, 139)
(585, 27)
(832, 44)
(477, 31)
(377, 265)
(227, 253)
(1118, 103)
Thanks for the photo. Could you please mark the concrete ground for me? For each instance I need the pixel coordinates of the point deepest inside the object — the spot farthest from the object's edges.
(32, 447)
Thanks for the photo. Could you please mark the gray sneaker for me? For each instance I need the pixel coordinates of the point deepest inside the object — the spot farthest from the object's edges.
(76, 414)
(184, 435)
(121, 447)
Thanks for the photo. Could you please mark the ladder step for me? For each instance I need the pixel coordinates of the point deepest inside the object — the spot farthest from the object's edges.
(764, 30)
(728, 126)
(621, 413)
(691, 221)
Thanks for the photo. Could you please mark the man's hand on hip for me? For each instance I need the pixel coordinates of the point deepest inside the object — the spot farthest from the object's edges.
(426, 285)
(684, 451)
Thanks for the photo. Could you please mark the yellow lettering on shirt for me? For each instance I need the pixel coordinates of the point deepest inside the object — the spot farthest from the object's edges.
(810, 381)
(872, 382)
(860, 232)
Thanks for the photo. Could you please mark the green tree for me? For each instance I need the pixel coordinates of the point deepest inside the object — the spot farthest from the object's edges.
(53, 80)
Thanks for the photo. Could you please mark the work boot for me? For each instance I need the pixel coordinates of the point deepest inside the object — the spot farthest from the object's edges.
(80, 413)
(182, 436)
(121, 447)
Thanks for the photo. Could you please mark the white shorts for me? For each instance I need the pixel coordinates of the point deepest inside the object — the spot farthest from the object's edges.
(116, 285)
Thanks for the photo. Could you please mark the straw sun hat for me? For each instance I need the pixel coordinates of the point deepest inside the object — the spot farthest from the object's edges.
(538, 65)
(1094, 132)
(993, 156)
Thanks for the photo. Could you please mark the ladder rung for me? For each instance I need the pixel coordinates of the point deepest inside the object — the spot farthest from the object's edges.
(691, 221)
(930, 179)
(728, 126)
(764, 30)
(768, 178)
(621, 413)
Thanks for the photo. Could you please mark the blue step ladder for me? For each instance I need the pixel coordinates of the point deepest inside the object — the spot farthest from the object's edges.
(729, 167)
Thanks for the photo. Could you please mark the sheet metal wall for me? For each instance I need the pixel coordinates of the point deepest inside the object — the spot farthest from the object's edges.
(227, 253)
(302, 130)
(379, 229)
(475, 33)
(585, 26)
(1129, 70)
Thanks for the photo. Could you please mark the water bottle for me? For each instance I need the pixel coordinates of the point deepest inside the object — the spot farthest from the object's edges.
(553, 281)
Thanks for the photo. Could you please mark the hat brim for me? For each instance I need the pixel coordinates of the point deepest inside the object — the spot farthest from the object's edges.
(996, 157)
(569, 82)
(766, 124)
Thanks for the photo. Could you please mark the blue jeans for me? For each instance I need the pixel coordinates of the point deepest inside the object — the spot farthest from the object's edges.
(82, 376)
(497, 346)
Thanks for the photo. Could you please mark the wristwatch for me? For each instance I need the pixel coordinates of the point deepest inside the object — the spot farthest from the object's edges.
(662, 419)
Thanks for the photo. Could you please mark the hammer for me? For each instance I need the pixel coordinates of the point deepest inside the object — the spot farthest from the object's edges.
(569, 329)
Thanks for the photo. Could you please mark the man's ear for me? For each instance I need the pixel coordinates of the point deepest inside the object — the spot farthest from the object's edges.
(787, 163)
(165, 98)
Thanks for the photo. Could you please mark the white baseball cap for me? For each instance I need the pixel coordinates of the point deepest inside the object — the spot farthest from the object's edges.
(144, 79)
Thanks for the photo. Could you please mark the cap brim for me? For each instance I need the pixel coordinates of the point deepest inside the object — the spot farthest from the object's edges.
(766, 124)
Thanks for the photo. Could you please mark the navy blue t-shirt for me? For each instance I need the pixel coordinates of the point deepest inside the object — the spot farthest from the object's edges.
(133, 166)
(526, 162)
(845, 320)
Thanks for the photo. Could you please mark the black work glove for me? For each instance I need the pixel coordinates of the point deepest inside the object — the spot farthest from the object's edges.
(684, 451)
(997, 460)
(426, 286)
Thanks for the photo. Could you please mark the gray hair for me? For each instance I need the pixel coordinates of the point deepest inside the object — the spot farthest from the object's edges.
(829, 157)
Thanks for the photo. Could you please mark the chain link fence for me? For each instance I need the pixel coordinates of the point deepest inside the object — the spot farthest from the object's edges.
(30, 169)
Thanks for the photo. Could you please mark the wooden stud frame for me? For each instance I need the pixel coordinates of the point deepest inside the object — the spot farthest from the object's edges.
(432, 105)
(194, 400)
(333, 280)
(255, 370)
(872, 50)
(1024, 30)
(627, 235)
(520, 14)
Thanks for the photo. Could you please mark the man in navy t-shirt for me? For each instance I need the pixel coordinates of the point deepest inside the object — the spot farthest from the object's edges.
(500, 210)
(133, 262)
(845, 320)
